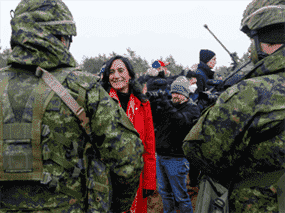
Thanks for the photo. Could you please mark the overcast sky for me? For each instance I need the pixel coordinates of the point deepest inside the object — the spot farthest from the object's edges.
(153, 29)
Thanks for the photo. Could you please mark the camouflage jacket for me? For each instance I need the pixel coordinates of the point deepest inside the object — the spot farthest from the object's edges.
(113, 173)
(222, 134)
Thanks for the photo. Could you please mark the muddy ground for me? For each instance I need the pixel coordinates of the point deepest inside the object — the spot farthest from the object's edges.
(155, 202)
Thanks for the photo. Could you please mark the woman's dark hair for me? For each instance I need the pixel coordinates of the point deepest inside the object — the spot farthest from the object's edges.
(135, 87)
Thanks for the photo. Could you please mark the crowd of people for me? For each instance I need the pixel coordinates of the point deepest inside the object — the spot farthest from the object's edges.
(162, 114)
(73, 143)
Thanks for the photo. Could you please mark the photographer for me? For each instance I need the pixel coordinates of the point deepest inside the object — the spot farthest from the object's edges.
(155, 85)
(175, 118)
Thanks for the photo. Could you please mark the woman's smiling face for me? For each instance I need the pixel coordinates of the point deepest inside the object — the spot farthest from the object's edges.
(119, 77)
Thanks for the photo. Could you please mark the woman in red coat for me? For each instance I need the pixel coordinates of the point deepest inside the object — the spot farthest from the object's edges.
(119, 81)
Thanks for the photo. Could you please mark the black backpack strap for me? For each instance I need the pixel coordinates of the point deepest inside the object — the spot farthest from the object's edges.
(267, 134)
(266, 179)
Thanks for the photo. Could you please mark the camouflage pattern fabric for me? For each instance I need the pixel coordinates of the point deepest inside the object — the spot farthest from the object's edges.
(118, 143)
(254, 103)
(34, 43)
(114, 172)
(261, 13)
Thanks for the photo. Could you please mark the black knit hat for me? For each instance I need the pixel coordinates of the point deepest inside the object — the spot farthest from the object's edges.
(206, 55)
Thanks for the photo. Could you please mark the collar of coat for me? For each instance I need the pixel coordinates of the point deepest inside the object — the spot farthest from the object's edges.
(133, 103)
(273, 63)
(204, 67)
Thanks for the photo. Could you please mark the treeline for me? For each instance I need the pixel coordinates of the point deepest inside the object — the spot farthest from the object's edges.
(3, 57)
(223, 71)
(94, 64)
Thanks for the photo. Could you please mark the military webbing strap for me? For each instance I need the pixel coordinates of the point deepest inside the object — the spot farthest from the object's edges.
(37, 164)
(59, 159)
(32, 131)
(3, 85)
(56, 86)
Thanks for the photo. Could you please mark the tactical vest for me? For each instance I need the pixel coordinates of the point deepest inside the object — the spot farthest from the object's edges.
(21, 146)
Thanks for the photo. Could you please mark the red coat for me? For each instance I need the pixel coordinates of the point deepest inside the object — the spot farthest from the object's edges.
(141, 116)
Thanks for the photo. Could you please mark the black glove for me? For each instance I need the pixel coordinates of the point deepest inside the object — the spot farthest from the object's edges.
(164, 99)
(152, 95)
(161, 100)
(214, 96)
(147, 192)
(156, 95)
(209, 97)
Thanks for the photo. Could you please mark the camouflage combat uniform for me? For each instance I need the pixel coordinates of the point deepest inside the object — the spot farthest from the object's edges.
(110, 180)
(224, 132)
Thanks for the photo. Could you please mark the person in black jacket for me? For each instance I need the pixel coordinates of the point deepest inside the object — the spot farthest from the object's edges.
(205, 79)
(176, 117)
(204, 71)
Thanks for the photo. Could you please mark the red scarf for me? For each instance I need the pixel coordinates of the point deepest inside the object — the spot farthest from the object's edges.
(131, 104)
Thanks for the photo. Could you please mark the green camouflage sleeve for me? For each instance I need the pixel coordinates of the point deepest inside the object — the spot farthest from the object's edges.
(119, 146)
(217, 128)
(219, 138)
(221, 134)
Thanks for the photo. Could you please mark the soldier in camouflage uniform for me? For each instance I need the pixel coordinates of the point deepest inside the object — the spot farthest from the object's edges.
(50, 162)
(226, 140)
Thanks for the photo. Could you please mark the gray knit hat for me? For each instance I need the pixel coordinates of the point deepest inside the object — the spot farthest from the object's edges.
(181, 85)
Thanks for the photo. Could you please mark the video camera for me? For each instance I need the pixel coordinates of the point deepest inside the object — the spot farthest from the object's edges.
(156, 94)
